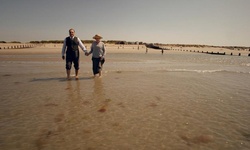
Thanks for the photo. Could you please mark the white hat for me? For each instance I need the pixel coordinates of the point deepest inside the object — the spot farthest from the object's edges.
(97, 36)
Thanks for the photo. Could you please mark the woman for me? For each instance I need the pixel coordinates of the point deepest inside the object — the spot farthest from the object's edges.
(98, 52)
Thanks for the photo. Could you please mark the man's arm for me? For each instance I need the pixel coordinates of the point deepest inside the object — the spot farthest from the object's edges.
(64, 48)
(82, 46)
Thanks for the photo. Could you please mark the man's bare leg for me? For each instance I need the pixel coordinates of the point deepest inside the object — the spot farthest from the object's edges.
(76, 72)
(68, 74)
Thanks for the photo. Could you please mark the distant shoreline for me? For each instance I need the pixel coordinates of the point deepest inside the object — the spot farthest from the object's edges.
(120, 48)
(122, 42)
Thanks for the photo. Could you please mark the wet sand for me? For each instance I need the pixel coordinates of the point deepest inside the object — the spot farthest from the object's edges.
(179, 100)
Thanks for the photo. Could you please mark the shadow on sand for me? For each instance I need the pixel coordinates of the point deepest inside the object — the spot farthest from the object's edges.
(59, 79)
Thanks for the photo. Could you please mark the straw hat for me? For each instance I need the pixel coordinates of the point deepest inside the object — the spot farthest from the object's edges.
(97, 36)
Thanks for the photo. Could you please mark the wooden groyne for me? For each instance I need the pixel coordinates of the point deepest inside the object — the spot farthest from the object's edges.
(219, 52)
(16, 46)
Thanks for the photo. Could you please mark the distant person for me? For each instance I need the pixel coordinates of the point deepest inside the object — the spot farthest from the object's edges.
(70, 46)
(162, 51)
(98, 52)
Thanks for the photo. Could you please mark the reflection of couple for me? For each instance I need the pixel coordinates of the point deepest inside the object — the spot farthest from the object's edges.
(70, 47)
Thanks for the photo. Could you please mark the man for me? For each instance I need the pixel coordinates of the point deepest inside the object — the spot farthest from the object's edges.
(70, 46)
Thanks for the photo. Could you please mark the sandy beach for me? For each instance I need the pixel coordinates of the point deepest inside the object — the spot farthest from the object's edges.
(178, 100)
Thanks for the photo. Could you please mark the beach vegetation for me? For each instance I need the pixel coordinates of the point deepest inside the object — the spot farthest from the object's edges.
(46, 42)
(15, 42)
(10, 42)
(35, 42)
(87, 42)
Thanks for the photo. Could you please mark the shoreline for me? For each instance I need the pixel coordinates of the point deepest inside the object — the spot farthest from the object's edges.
(17, 48)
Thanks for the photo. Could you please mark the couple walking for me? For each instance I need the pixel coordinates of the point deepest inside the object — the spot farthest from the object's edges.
(70, 47)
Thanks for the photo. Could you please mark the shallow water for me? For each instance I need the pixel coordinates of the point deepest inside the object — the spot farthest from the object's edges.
(143, 101)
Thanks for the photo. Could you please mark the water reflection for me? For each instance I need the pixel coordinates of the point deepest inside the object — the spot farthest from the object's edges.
(74, 100)
(98, 92)
(99, 95)
(74, 93)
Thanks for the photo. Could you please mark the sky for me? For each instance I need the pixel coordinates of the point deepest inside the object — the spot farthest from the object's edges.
(209, 22)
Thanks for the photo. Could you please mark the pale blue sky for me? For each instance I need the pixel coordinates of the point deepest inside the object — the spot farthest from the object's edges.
(211, 22)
